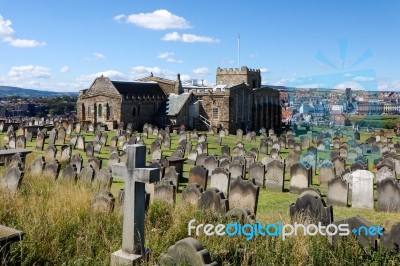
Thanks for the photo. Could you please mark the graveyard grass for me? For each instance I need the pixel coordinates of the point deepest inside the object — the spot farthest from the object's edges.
(61, 228)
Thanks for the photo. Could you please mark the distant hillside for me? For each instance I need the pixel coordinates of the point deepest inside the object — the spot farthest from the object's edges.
(6, 91)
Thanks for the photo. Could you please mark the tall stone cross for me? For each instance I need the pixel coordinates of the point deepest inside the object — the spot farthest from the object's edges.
(136, 175)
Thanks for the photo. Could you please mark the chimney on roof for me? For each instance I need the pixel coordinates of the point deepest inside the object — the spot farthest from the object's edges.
(178, 85)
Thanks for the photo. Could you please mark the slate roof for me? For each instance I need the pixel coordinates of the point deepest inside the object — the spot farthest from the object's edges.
(138, 88)
(176, 102)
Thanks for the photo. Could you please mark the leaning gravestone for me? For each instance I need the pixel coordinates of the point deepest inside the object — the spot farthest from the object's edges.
(311, 210)
(87, 174)
(388, 195)
(391, 239)
(244, 194)
(80, 143)
(51, 169)
(37, 166)
(103, 201)
(69, 173)
(40, 141)
(354, 224)
(165, 191)
(77, 160)
(11, 180)
(213, 200)
(103, 179)
(363, 189)
(51, 153)
(326, 173)
(191, 194)
(188, 251)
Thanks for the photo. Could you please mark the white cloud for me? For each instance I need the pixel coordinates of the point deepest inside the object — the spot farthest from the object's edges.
(99, 56)
(363, 79)
(5, 28)
(348, 75)
(176, 37)
(119, 17)
(201, 71)
(158, 20)
(20, 43)
(165, 55)
(30, 71)
(7, 33)
(264, 70)
(142, 71)
(111, 74)
(168, 57)
(64, 69)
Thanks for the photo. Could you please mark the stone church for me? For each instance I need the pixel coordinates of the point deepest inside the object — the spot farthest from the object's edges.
(238, 100)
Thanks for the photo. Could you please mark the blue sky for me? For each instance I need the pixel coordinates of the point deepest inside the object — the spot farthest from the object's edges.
(63, 45)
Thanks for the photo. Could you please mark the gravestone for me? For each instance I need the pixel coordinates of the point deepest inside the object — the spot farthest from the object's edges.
(213, 200)
(338, 191)
(51, 169)
(363, 189)
(37, 166)
(274, 179)
(326, 172)
(65, 154)
(69, 173)
(20, 143)
(391, 239)
(364, 238)
(388, 195)
(191, 194)
(11, 180)
(237, 170)
(61, 136)
(220, 179)
(80, 143)
(87, 174)
(210, 163)
(309, 209)
(239, 134)
(113, 159)
(188, 251)
(40, 141)
(339, 165)
(198, 175)
(51, 153)
(53, 136)
(257, 172)
(95, 162)
(192, 158)
(384, 173)
(299, 177)
(103, 179)
(224, 163)
(244, 194)
(103, 201)
(165, 191)
(77, 160)
(135, 175)
(172, 175)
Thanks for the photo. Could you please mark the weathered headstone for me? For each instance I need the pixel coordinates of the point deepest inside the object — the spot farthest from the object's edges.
(311, 210)
(198, 175)
(244, 194)
(363, 189)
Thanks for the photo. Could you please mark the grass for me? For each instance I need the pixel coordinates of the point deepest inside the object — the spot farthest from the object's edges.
(61, 228)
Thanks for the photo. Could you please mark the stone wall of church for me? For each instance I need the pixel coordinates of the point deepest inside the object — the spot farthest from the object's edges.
(252, 77)
(99, 109)
(139, 111)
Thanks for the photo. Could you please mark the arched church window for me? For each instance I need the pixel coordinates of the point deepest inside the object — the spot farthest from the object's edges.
(100, 110)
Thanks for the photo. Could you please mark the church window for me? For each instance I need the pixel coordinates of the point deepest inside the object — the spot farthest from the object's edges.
(134, 112)
(100, 110)
(215, 113)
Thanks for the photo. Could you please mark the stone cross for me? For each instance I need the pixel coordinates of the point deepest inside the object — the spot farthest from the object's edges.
(136, 175)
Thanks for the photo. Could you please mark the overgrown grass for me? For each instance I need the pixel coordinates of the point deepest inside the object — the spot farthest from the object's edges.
(61, 229)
